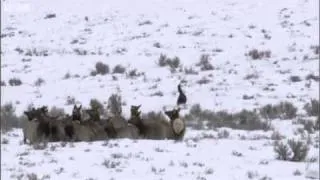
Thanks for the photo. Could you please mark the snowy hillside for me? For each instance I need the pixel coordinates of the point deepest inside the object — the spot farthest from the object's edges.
(123, 32)
(52, 48)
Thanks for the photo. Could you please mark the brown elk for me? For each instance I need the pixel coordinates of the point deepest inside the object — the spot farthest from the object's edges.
(160, 128)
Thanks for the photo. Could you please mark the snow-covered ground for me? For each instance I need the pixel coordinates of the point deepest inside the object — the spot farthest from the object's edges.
(134, 34)
(202, 155)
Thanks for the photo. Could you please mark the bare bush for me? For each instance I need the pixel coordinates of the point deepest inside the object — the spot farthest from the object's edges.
(196, 116)
(247, 120)
(97, 105)
(115, 105)
(297, 173)
(158, 93)
(40, 146)
(70, 100)
(295, 79)
(80, 52)
(157, 45)
(67, 76)
(236, 153)
(110, 164)
(224, 134)
(3, 83)
(251, 76)
(313, 77)
(102, 68)
(15, 82)
(134, 73)
(203, 80)
(269, 112)
(93, 73)
(162, 61)
(49, 16)
(283, 110)
(282, 151)
(190, 71)
(9, 119)
(180, 31)
(146, 22)
(312, 108)
(288, 110)
(204, 63)
(209, 171)
(293, 150)
(299, 150)
(247, 97)
(315, 49)
(308, 125)
(39, 82)
(36, 52)
(252, 174)
(119, 69)
(173, 63)
(255, 54)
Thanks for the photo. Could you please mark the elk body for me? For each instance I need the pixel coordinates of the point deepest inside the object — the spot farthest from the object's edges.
(40, 127)
(158, 129)
(79, 130)
(117, 127)
(29, 127)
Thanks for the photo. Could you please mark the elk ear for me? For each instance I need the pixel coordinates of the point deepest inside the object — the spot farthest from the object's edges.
(75, 106)
(139, 106)
(80, 106)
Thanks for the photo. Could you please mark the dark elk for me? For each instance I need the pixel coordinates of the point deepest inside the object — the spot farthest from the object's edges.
(182, 98)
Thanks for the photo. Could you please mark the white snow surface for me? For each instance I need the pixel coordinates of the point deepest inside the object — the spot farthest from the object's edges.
(124, 32)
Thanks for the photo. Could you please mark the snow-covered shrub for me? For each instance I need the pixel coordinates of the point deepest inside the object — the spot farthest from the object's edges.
(15, 82)
(190, 71)
(293, 150)
(282, 151)
(246, 120)
(119, 69)
(295, 79)
(204, 63)
(283, 110)
(114, 104)
(39, 82)
(9, 119)
(299, 150)
(173, 63)
(256, 54)
(312, 107)
(101, 68)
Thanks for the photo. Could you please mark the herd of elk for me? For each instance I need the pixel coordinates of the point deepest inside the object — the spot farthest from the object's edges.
(40, 127)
